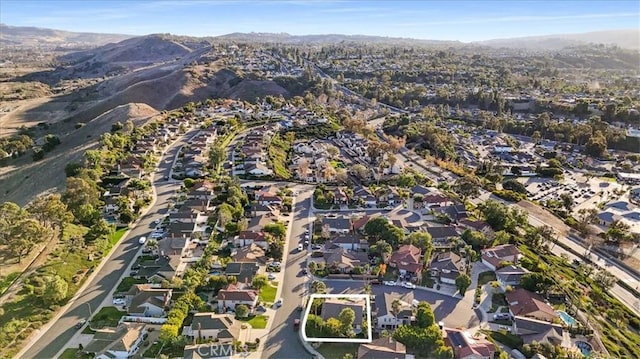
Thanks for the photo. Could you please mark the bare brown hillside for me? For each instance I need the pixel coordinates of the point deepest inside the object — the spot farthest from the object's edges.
(24, 179)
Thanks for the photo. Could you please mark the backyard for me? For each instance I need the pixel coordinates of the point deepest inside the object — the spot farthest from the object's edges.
(338, 350)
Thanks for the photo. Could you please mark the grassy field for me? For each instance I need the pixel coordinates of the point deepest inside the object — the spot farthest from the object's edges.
(5, 282)
(69, 353)
(268, 294)
(106, 317)
(115, 237)
(338, 350)
(278, 150)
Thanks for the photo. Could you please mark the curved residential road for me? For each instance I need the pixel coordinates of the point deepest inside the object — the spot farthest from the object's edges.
(60, 331)
(283, 341)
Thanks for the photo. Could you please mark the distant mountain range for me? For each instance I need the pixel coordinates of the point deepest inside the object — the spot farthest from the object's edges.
(35, 36)
(627, 39)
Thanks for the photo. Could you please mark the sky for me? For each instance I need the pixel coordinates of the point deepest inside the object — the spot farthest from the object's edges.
(460, 20)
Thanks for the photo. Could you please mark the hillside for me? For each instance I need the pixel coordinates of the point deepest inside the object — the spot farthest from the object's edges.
(38, 37)
(626, 39)
(25, 178)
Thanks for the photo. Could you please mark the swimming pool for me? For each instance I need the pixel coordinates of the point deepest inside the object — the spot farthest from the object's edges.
(585, 348)
(569, 320)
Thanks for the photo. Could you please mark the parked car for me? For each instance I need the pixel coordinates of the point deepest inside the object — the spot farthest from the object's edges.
(81, 323)
(409, 285)
(271, 276)
(142, 240)
(279, 302)
(389, 283)
(300, 248)
(118, 301)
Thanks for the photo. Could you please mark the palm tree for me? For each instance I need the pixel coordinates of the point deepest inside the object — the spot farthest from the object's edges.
(395, 310)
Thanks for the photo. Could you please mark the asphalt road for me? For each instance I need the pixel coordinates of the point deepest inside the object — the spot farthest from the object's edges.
(283, 341)
(454, 312)
(62, 329)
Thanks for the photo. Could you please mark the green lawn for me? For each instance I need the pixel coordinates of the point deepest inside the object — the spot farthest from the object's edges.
(153, 350)
(338, 350)
(115, 237)
(486, 277)
(127, 283)
(69, 353)
(257, 322)
(73, 231)
(507, 339)
(268, 294)
(107, 317)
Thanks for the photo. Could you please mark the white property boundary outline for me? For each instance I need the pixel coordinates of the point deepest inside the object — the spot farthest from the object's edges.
(367, 300)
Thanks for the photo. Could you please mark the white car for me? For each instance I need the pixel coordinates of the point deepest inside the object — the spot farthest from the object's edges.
(409, 285)
(271, 276)
(142, 240)
(279, 303)
(300, 248)
(157, 235)
(118, 301)
(389, 283)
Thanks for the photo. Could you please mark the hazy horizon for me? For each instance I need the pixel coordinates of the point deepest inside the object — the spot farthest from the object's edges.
(464, 21)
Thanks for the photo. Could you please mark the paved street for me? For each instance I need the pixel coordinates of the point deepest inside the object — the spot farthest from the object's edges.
(62, 329)
(283, 341)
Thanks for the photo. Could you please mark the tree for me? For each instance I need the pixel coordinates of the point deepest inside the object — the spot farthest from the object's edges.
(55, 289)
(618, 231)
(514, 185)
(395, 308)
(80, 192)
(259, 281)
(376, 226)
(333, 327)
(347, 316)
(462, 283)
(360, 171)
(604, 279)
(567, 201)
(318, 287)
(100, 229)
(381, 248)
(72, 169)
(536, 282)
(424, 315)
(423, 241)
(242, 311)
(217, 156)
(596, 145)
(278, 230)
(467, 186)
(341, 175)
(275, 249)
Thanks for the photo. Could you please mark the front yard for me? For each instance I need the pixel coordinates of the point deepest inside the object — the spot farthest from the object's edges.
(257, 322)
(338, 350)
(127, 283)
(268, 293)
(106, 317)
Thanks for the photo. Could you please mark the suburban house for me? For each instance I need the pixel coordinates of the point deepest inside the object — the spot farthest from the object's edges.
(202, 190)
(533, 330)
(269, 199)
(343, 260)
(492, 257)
(387, 319)
(383, 348)
(145, 301)
(480, 226)
(455, 212)
(250, 253)
(510, 276)
(364, 195)
(208, 351)
(162, 268)
(446, 266)
(527, 304)
(337, 223)
(231, 296)
(211, 326)
(466, 347)
(408, 260)
(243, 271)
(332, 307)
(116, 343)
(348, 242)
(441, 235)
(247, 238)
(358, 224)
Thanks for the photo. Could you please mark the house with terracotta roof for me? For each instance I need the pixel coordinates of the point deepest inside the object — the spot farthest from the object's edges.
(383, 348)
(492, 257)
(408, 260)
(232, 295)
(446, 266)
(116, 343)
(247, 238)
(466, 347)
(222, 328)
(528, 304)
